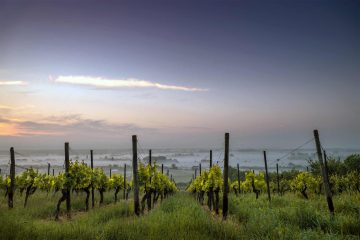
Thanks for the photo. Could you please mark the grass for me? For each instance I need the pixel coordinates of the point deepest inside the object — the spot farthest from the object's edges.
(291, 217)
(178, 217)
(181, 217)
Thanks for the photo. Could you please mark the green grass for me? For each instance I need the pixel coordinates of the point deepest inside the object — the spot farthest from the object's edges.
(291, 217)
(178, 217)
(181, 217)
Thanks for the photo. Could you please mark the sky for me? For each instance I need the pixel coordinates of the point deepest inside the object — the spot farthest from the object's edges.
(179, 74)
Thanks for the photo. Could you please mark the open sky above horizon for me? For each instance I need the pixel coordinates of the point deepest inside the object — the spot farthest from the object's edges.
(179, 73)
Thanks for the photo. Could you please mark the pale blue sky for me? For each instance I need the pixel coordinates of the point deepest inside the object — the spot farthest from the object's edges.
(273, 71)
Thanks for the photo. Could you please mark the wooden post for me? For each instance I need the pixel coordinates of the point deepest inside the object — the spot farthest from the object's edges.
(307, 168)
(238, 177)
(226, 176)
(150, 168)
(211, 190)
(12, 178)
(110, 172)
(92, 169)
(150, 157)
(135, 176)
(195, 172)
(324, 173)
(200, 169)
(326, 167)
(0, 171)
(125, 181)
(149, 193)
(267, 177)
(162, 168)
(48, 168)
(67, 167)
(53, 172)
(277, 178)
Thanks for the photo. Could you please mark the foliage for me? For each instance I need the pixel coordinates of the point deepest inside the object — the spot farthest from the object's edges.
(26, 179)
(352, 163)
(337, 166)
(116, 182)
(257, 179)
(233, 174)
(99, 180)
(45, 182)
(208, 180)
(150, 179)
(304, 182)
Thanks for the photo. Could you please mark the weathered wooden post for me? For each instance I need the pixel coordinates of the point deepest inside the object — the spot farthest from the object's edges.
(162, 168)
(135, 176)
(150, 157)
(110, 172)
(326, 164)
(48, 168)
(277, 177)
(149, 193)
(150, 164)
(125, 181)
(326, 168)
(195, 172)
(211, 191)
(238, 177)
(53, 172)
(92, 169)
(12, 178)
(67, 167)
(226, 176)
(200, 169)
(324, 173)
(267, 177)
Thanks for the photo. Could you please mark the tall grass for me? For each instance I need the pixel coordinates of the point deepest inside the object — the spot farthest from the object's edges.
(182, 217)
(178, 217)
(291, 217)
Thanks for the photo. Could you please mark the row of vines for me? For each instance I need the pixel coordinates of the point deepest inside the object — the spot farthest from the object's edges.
(210, 183)
(81, 178)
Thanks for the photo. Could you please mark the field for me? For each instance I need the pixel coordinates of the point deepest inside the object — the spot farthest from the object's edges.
(180, 216)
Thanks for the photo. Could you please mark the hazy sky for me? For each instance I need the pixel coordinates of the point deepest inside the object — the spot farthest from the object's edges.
(179, 73)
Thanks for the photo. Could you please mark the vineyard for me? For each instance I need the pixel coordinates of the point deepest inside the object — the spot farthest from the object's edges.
(219, 202)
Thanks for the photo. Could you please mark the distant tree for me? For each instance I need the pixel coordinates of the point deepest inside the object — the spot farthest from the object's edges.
(233, 174)
(337, 166)
(352, 163)
(288, 175)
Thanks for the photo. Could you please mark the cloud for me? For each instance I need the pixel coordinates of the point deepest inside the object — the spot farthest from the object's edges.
(12, 110)
(7, 107)
(12, 83)
(100, 82)
(65, 125)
